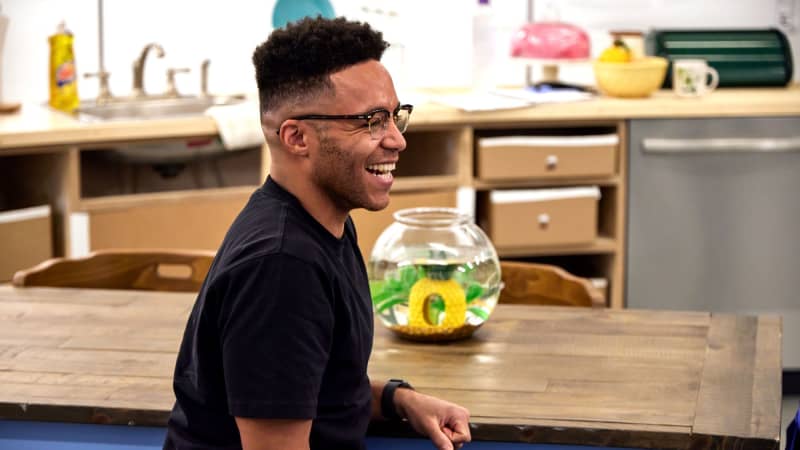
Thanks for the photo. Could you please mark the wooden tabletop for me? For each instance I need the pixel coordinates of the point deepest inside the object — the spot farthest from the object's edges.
(648, 379)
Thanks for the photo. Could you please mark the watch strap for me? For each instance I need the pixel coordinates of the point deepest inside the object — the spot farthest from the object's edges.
(388, 409)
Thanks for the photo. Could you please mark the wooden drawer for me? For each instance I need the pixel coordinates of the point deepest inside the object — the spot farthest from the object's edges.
(516, 157)
(542, 217)
(370, 224)
(25, 239)
(192, 221)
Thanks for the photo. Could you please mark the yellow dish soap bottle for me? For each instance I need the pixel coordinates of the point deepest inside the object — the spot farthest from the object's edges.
(63, 76)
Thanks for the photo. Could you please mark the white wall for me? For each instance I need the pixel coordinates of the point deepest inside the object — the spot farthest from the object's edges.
(432, 37)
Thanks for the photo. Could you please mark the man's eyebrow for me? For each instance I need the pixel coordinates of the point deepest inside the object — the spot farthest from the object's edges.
(377, 107)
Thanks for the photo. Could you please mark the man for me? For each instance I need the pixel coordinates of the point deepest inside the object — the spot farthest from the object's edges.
(275, 352)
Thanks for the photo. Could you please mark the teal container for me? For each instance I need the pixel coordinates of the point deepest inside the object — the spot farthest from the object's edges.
(741, 57)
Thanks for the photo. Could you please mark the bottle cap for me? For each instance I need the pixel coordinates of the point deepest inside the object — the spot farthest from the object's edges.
(62, 28)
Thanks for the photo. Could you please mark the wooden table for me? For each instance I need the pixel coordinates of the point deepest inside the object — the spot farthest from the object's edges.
(625, 378)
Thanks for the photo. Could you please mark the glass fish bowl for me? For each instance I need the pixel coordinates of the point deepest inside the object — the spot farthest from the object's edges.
(433, 275)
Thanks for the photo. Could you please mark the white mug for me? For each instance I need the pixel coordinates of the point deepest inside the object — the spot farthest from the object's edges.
(690, 77)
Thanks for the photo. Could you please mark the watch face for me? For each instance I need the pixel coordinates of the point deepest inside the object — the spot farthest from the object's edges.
(400, 383)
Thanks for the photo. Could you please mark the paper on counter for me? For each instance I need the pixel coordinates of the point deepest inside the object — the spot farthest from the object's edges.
(499, 99)
(540, 195)
(480, 101)
(239, 125)
(550, 141)
(541, 97)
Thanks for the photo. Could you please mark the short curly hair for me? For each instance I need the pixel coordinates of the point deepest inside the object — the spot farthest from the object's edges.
(295, 62)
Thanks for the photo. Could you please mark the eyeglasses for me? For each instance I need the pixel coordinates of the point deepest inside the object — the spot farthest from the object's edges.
(377, 119)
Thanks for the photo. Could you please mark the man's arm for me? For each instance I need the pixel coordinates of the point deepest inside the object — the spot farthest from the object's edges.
(446, 424)
(274, 434)
(377, 390)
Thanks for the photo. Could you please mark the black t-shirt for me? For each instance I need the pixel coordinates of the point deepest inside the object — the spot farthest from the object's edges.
(282, 328)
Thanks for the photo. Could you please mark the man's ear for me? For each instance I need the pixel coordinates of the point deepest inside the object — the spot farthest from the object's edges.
(294, 135)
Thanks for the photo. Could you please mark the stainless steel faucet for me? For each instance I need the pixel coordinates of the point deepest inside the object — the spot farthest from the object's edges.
(103, 93)
(138, 68)
(172, 91)
(204, 78)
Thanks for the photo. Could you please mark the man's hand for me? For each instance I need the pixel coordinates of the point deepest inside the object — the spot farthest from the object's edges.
(445, 423)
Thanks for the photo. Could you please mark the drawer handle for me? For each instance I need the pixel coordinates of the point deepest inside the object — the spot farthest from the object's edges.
(721, 145)
(544, 220)
(551, 162)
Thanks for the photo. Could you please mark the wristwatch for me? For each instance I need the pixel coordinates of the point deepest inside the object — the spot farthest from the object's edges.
(388, 409)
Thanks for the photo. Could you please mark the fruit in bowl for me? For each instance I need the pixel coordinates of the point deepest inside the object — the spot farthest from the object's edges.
(619, 52)
(619, 74)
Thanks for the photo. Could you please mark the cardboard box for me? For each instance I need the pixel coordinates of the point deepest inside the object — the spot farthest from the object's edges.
(542, 217)
(519, 157)
(25, 239)
(186, 222)
(370, 224)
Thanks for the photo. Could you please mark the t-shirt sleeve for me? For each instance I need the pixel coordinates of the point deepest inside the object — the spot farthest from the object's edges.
(276, 326)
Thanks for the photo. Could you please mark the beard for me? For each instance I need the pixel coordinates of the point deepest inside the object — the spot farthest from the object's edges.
(340, 179)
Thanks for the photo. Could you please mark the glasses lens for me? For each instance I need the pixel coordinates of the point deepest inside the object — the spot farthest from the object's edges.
(401, 119)
(378, 124)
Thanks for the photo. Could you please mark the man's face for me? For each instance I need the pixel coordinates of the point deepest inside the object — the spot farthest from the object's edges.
(350, 166)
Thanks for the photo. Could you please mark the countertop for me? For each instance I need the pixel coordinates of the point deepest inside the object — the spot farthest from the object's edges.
(37, 127)
(627, 378)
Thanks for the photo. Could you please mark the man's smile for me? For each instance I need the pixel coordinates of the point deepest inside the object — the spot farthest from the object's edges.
(383, 170)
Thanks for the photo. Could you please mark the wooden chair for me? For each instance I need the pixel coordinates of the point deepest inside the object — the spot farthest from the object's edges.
(153, 270)
(542, 284)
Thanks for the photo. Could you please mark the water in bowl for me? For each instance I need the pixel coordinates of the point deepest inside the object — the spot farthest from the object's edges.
(435, 293)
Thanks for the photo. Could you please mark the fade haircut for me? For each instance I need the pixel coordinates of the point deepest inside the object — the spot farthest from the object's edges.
(295, 62)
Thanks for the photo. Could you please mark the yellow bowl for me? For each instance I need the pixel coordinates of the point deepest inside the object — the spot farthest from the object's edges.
(638, 78)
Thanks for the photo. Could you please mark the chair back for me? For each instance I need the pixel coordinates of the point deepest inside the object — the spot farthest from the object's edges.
(543, 284)
(153, 270)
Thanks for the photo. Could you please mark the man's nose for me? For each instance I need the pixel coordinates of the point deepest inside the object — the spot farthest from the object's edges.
(394, 139)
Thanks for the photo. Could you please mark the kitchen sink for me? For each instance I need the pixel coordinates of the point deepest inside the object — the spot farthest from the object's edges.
(152, 108)
(167, 157)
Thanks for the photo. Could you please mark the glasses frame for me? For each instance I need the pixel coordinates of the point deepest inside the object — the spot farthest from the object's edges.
(367, 116)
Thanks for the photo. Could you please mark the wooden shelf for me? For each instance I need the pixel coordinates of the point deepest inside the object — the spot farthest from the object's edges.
(602, 245)
(439, 162)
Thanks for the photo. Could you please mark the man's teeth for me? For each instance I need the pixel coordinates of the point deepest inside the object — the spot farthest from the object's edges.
(381, 169)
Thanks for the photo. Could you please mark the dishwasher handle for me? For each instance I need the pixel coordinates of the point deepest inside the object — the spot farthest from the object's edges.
(720, 145)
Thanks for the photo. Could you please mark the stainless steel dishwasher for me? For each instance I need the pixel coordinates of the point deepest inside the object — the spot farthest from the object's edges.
(714, 218)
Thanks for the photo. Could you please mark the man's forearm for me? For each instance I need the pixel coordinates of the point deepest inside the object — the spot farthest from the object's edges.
(377, 391)
(399, 396)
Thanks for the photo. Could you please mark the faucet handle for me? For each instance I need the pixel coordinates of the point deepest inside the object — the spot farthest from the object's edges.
(103, 92)
(172, 91)
(138, 68)
(204, 77)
